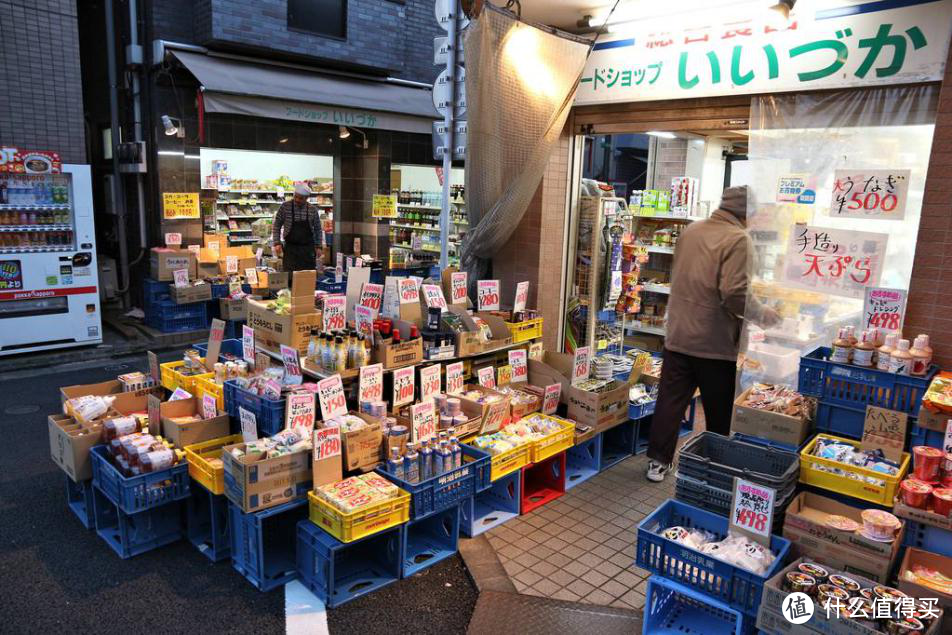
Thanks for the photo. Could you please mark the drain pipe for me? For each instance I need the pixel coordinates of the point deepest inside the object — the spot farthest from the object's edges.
(118, 194)
(137, 118)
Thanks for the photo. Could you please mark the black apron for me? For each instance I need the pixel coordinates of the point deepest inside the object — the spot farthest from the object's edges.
(299, 245)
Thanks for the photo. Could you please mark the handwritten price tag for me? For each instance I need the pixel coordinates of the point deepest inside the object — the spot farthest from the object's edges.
(209, 407)
(215, 336)
(195, 249)
(364, 320)
(409, 292)
(520, 368)
(487, 295)
(884, 308)
(430, 382)
(948, 437)
(154, 367)
(180, 276)
(330, 392)
(371, 296)
(339, 268)
(326, 443)
(752, 510)
(247, 343)
(249, 425)
(550, 399)
(335, 317)
(251, 275)
(371, 383)
(522, 296)
(231, 264)
(403, 386)
(581, 363)
(486, 377)
(535, 351)
(454, 378)
(884, 430)
(173, 239)
(299, 411)
(423, 421)
(433, 296)
(458, 283)
(504, 375)
(292, 365)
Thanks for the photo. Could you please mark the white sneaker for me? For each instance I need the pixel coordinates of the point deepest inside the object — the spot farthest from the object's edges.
(657, 471)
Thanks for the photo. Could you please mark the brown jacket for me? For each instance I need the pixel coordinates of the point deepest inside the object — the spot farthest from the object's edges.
(709, 288)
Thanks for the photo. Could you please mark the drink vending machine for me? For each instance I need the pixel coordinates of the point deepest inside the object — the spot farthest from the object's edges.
(49, 286)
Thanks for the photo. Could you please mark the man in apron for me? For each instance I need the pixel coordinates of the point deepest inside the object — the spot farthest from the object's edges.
(300, 222)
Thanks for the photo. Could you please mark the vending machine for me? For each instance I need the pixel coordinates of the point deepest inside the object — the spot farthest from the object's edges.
(49, 295)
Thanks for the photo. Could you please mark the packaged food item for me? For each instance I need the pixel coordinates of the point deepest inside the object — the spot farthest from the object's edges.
(119, 427)
(904, 626)
(736, 550)
(900, 362)
(847, 584)
(880, 525)
(842, 523)
(942, 501)
(921, 356)
(915, 493)
(926, 462)
(815, 571)
(842, 349)
(863, 350)
(798, 582)
(777, 398)
(884, 354)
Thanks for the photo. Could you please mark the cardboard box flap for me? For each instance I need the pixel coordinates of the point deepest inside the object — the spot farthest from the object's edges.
(809, 512)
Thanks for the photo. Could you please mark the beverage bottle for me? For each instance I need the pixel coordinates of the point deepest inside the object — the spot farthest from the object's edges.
(457, 451)
(842, 348)
(863, 351)
(314, 346)
(119, 427)
(411, 465)
(426, 462)
(921, 358)
(926, 346)
(341, 354)
(446, 456)
(326, 348)
(884, 352)
(900, 362)
(156, 460)
(395, 463)
(851, 333)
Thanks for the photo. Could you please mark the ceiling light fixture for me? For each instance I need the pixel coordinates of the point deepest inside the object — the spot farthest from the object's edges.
(283, 140)
(343, 132)
(661, 134)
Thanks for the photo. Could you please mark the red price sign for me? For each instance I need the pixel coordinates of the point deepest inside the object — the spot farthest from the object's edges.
(180, 276)
(884, 308)
(403, 385)
(520, 370)
(423, 421)
(209, 407)
(409, 292)
(371, 383)
(433, 296)
(752, 509)
(299, 411)
(231, 264)
(870, 193)
(522, 296)
(487, 377)
(454, 378)
(487, 295)
(550, 399)
(371, 296)
(330, 392)
(326, 443)
(292, 365)
(173, 239)
(247, 343)
(581, 364)
(430, 382)
(251, 275)
(458, 283)
(335, 318)
(364, 319)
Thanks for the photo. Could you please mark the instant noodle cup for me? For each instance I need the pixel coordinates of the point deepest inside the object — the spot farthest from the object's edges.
(842, 523)
(816, 572)
(905, 626)
(879, 524)
(942, 501)
(849, 585)
(797, 582)
(926, 462)
(915, 493)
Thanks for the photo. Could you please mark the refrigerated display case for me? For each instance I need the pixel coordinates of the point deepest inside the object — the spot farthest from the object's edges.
(49, 287)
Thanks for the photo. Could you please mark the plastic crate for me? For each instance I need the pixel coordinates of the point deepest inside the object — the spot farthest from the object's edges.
(554, 443)
(198, 455)
(618, 443)
(924, 436)
(776, 445)
(154, 291)
(230, 350)
(371, 519)
(133, 534)
(525, 330)
(640, 411)
(542, 483)
(269, 413)
(338, 572)
(675, 609)
(263, 543)
(717, 460)
(206, 522)
(928, 538)
(137, 493)
(507, 462)
(329, 286)
(583, 461)
(79, 498)
(205, 385)
(737, 587)
(491, 507)
(172, 377)
(857, 486)
(718, 501)
(482, 478)
(430, 540)
(168, 317)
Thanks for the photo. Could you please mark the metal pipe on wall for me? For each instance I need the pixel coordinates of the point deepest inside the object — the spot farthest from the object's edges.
(137, 122)
(118, 193)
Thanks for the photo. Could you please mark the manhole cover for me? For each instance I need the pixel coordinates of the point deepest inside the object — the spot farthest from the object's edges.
(21, 410)
(115, 368)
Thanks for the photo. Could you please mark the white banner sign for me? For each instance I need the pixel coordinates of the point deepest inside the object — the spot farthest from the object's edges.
(458, 283)
(884, 308)
(430, 381)
(409, 292)
(433, 296)
(520, 371)
(835, 261)
(330, 393)
(404, 386)
(522, 296)
(487, 295)
(454, 378)
(879, 194)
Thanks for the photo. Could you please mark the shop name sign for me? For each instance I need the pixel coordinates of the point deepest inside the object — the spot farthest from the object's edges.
(823, 46)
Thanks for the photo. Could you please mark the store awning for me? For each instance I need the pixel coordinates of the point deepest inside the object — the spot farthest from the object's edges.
(262, 90)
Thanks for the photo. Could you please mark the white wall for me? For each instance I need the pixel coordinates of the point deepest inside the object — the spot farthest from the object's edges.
(250, 164)
(712, 173)
(423, 177)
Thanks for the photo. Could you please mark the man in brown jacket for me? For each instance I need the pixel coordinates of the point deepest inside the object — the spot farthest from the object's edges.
(704, 315)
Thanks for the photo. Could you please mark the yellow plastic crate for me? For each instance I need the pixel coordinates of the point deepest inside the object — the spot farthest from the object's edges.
(205, 385)
(550, 445)
(172, 378)
(526, 330)
(509, 461)
(857, 488)
(198, 456)
(363, 522)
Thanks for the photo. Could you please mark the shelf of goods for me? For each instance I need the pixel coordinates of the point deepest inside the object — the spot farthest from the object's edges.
(422, 221)
(264, 204)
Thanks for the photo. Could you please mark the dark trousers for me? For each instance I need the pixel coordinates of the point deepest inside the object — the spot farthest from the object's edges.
(681, 375)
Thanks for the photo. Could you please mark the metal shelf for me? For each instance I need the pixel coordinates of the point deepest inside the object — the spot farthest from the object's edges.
(36, 228)
(683, 219)
(651, 330)
(39, 208)
(426, 229)
(656, 288)
(654, 249)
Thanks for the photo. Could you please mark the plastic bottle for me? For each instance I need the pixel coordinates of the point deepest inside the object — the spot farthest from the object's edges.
(156, 460)
(884, 352)
(325, 351)
(395, 463)
(340, 351)
(119, 427)
(900, 362)
(457, 452)
(851, 333)
(411, 465)
(863, 351)
(927, 347)
(426, 461)
(921, 358)
(842, 348)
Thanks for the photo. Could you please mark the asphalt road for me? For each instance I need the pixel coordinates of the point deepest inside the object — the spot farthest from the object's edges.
(58, 575)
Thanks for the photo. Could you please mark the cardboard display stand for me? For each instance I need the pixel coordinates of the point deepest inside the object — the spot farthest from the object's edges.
(773, 426)
(182, 434)
(601, 410)
(468, 342)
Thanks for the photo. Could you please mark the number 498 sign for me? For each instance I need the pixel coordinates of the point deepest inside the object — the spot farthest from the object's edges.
(752, 510)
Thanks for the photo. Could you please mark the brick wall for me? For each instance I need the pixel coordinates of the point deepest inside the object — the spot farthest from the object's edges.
(671, 161)
(40, 77)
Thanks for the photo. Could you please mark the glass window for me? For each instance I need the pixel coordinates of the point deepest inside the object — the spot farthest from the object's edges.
(323, 17)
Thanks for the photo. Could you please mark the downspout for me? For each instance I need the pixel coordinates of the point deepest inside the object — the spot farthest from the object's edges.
(118, 193)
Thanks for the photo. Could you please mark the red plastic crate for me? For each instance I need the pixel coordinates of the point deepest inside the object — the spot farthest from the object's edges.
(542, 482)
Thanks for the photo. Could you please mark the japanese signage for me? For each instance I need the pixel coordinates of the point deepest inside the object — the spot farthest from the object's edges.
(29, 161)
(247, 343)
(522, 296)
(403, 386)
(231, 264)
(487, 295)
(870, 194)
(580, 363)
(370, 386)
(487, 377)
(180, 205)
(433, 296)
(835, 261)
(371, 295)
(384, 206)
(180, 277)
(339, 268)
(430, 381)
(752, 510)
(454, 378)
(215, 336)
(535, 351)
(249, 425)
(458, 284)
(884, 430)
(520, 370)
(734, 52)
(251, 275)
(209, 407)
(364, 321)
(884, 308)
(793, 189)
(326, 443)
(292, 365)
(391, 297)
(173, 239)
(550, 400)
(504, 375)
(330, 393)
(334, 314)
(409, 293)
(299, 412)
(422, 421)
(11, 275)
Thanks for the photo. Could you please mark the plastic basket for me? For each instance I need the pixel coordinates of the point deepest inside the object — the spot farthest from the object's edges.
(133, 534)
(168, 317)
(509, 461)
(230, 350)
(205, 385)
(348, 527)
(207, 525)
(263, 543)
(154, 291)
(79, 498)
(928, 538)
(525, 330)
(552, 444)
(172, 377)
(718, 501)
(924, 436)
(492, 507)
(737, 587)
(205, 474)
(640, 411)
(137, 493)
(618, 443)
(717, 460)
(857, 486)
(269, 413)
(675, 609)
(430, 540)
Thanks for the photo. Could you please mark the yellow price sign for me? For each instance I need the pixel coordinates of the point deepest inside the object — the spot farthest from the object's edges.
(180, 205)
(384, 206)
(504, 375)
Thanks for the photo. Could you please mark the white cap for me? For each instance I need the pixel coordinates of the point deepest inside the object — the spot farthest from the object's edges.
(302, 190)
(892, 339)
(903, 345)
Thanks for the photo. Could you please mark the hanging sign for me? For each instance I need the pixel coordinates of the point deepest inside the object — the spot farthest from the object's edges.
(249, 425)
(384, 206)
(370, 387)
(486, 377)
(330, 393)
(487, 295)
(504, 375)
(522, 296)
(335, 317)
(454, 378)
(879, 194)
(433, 296)
(209, 406)
(180, 205)
(885, 430)
(550, 399)
(422, 421)
(520, 369)
(884, 308)
(752, 510)
(371, 295)
(326, 443)
(299, 412)
(173, 239)
(836, 261)
(409, 291)
(430, 381)
(180, 277)
(458, 284)
(403, 386)
(364, 322)
(251, 275)
(292, 365)
(581, 364)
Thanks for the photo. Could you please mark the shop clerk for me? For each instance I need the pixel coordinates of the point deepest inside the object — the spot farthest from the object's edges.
(300, 221)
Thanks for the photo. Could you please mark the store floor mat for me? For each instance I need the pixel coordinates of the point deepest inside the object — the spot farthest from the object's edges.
(498, 612)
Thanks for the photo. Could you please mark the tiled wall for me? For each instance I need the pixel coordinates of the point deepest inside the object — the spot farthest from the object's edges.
(671, 161)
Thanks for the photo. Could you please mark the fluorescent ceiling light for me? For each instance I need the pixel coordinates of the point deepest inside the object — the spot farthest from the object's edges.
(661, 134)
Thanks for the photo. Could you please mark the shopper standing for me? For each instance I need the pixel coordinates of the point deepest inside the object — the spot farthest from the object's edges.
(300, 245)
(704, 315)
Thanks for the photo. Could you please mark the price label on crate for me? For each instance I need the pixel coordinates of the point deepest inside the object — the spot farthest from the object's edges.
(885, 430)
(550, 399)
(326, 443)
(454, 378)
(487, 295)
(248, 344)
(581, 363)
(335, 316)
(486, 377)
(884, 308)
(433, 296)
(423, 421)
(209, 407)
(231, 264)
(330, 393)
(299, 412)
(154, 367)
(180, 278)
(752, 510)
(371, 383)
(251, 275)
(249, 425)
(371, 296)
(522, 296)
(458, 283)
(504, 375)
(364, 321)
(292, 365)
(535, 351)
(520, 367)
(173, 239)
(409, 292)
(430, 381)
(404, 386)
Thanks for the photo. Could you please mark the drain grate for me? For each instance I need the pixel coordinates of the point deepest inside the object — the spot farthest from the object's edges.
(25, 409)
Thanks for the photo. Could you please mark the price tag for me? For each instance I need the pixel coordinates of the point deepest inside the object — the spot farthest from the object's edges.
(339, 268)
(520, 367)
(884, 308)
(364, 321)
(433, 296)
(259, 252)
(371, 383)
(371, 295)
(292, 365)
(535, 351)
(409, 292)
(326, 443)
(487, 295)
(251, 275)
(550, 399)
(215, 247)
(154, 408)
(948, 437)
(180, 276)
(522, 296)
(215, 336)
(209, 407)
(458, 282)
(231, 264)
(173, 239)
(422, 421)
(180, 393)
(752, 510)
(195, 249)
(884, 430)
(430, 381)
(330, 392)
(335, 317)
(403, 386)
(299, 411)
(487, 377)
(154, 367)
(247, 344)
(249, 425)
(504, 375)
(454, 378)
(581, 363)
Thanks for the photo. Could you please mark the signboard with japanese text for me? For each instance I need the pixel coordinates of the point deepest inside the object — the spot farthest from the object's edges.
(458, 286)
(364, 322)
(884, 308)
(793, 189)
(522, 296)
(409, 291)
(433, 296)
(520, 367)
(454, 378)
(292, 365)
(947, 445)
(836, 261)
(391, 297)
(371, 295)
(736, 51)
(248, 344)
(215, 336)
(422, 421)
(581, 364)
(885, 430)
(384, 206)
(173, 239)
(370, 386)
(326, 443)
(209, 406)
(430, 381)
(879, 194)
(334, 316)
(249, 425)
(251, 275)
(180, 205)
(535, 351)
(550, 399)
(299, 411)
(752, 510)
(180, 278)
(330, 394)
(231, 264)
(487, 295)
(503, 375)
(486, 377)
(404, 386)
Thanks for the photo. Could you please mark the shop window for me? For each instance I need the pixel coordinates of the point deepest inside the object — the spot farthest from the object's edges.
(321, 17)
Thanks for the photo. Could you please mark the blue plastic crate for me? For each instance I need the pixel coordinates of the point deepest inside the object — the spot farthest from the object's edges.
(737, 587)
(640, 411)
(233, 329)
(137, 493)
(430, 540)
(924, 436)
(79, 497)
(583, 461)
(207, 524)
(154, 291)
(338, 572)
(230, 349)
(269, 413)
(618, 443)
(675, 609)
(329, 286)
(133, 534)
(643, 427)
(263, 543)
(445, 490)
(168, 317)
(492, 507)
(928, 538)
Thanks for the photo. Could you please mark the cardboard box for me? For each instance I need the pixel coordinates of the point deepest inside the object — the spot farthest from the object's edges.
(805, 526)
(492, 415)
(254, 483)
(182, 434)
(517, 412)
(125, 403)
(936, 421)
(924, 516)
(197, 293)
(942, 564)
(272, 281)
(70, 443)
(232, 309)
(207, 264)
(273, 330)
(363, 448)
(165, 260)
(303, 284)
(406, 353)
(769, 425)
(601, 410)
(468, 342)
(111, 387)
